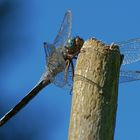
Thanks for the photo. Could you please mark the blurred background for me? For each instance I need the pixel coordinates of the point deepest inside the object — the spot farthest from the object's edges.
(24, 26)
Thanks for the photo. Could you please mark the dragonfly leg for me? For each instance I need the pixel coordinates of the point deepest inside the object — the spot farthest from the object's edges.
(72, 66)
(66, 69)
(75, 55)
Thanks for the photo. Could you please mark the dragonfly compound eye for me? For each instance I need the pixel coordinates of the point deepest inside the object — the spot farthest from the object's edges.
(71, 43)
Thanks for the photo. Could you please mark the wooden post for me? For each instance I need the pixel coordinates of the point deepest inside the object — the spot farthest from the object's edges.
(95, 92)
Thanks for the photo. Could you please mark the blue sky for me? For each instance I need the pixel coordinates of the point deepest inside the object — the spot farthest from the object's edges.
(24, 26)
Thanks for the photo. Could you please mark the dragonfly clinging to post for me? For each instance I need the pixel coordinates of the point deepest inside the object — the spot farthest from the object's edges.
(60, 66)
(59, 61)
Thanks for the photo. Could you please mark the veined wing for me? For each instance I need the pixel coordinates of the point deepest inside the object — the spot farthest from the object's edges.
(62, 36)
(49, 50)
(128, 76)
(59, 80)
(64, 78)
(130, 49)
(54, 58)
(64, 31)
(55, 62)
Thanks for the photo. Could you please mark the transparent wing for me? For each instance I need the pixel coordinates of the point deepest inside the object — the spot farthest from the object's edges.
(49, 50)
(128, 76)
(70, 76)
(55, 62)
(65, 78)
(130, 49)
(62, 36)
(59, 80)
(65, 31)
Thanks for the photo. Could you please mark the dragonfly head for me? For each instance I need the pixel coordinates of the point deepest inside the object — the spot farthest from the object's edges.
(75, 42)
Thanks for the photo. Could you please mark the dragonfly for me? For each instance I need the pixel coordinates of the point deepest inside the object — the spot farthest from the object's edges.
(59, 64)
(60, 58)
